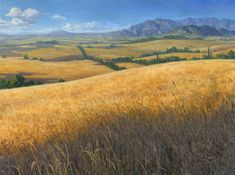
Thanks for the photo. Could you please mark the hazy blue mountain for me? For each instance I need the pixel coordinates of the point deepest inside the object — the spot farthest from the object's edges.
(197, 30)
(212, 22)
(60, 33)
(208, 26)
(149, 28)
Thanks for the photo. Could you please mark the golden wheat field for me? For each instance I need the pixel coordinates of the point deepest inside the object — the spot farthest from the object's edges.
(55, 52)
(112, 53)
(51, 71)
(32, 115)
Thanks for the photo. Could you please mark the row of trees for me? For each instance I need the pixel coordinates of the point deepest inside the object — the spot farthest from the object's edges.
(26, 57)
(171, 50)
(17, 81)
(209, 55)
(230, 55)
(109, 64)
(122, 59)
(148, 62)
(159, 61)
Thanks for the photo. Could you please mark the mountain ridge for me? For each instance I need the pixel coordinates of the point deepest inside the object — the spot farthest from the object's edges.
(162, 26)
(204, 30)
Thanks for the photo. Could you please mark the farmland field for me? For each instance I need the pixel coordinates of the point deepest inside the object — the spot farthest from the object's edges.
(137, 49)
(51, 71)
(68, 58)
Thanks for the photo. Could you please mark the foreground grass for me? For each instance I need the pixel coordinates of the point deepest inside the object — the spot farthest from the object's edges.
(135, 145)
(165, 119)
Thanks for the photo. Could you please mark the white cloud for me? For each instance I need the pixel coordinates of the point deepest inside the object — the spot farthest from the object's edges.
(22, 17)
(19, 20)
(58, 17)
(2, 22)
(92, 26)
(30, 14)
(15, 12)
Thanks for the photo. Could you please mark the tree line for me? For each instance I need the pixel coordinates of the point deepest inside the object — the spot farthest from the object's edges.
(17, 81)
(170, 50)
(100, 60)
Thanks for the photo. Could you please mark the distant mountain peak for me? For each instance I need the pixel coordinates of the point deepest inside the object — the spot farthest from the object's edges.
(198, 31)
(208, 26)
(60, 33)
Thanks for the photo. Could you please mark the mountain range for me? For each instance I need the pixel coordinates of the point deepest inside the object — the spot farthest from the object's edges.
(196, 26)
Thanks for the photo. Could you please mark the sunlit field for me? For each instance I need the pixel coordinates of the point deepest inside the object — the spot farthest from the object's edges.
(113, 53)
(52, 53)
(51, 71)
(58, 120)
(27, 113)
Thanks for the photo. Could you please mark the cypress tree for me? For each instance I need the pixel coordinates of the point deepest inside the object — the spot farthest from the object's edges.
(209, 52)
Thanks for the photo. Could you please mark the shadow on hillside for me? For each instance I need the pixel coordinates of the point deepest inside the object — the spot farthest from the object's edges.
(142, 144)
(25, 74)
(66, 58)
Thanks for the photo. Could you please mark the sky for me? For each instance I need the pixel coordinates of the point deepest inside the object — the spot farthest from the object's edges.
(43, 16)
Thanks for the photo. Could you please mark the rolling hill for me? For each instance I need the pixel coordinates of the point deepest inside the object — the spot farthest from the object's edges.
(157, 88)
(60, 33)
(86, 126)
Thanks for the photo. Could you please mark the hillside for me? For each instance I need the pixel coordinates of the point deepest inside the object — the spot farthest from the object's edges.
(197, 30)
(126, 90)
(96, 120)
(60, 33)
(201, 31)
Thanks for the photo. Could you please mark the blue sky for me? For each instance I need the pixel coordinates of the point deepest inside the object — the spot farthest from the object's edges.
(42, 16)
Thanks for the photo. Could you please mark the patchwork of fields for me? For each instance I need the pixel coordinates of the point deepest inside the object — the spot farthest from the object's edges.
(64, 60)
(176, 114)
(48, 72)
